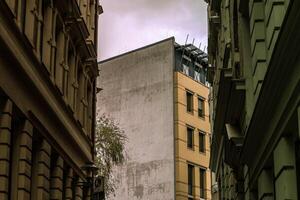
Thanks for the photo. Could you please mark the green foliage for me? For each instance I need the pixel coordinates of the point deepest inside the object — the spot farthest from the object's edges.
(109, 144)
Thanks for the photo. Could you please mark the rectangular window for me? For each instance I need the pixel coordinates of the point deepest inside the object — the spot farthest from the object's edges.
(190, 179)
(202, 183)
(197, 76)
(185, 69)
(200, 107)
(22, 14)
(190, 134)
(189, 102)
(202, 142)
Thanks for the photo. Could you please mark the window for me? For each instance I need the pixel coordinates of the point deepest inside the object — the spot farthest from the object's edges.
(200, 107)
(34, 24)
(197, 76)
(59, 54)
(202, 183)
(235, 26)
(190, 179)
(189, 102)
(190, 141)
(22, 14)
(185, 69)
(202, 142)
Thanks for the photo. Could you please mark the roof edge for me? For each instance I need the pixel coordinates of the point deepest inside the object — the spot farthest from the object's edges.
(138, 49)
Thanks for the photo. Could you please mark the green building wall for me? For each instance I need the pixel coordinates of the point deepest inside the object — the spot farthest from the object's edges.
(255, 72)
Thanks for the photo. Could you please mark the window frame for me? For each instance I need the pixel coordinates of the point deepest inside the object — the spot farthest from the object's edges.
(191, 178)
(203, 185)
(200, 98)
(203, 143)
(187, 93)
(188, 127)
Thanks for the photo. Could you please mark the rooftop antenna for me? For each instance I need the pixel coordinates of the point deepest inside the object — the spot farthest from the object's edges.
(191, 52)
(199, 45)
(204, 48)
(187, 37)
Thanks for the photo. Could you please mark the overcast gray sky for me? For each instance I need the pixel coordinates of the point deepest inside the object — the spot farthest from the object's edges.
(129, 24)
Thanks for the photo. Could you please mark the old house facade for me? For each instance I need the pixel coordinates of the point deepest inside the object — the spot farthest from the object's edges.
(48, 70)
(254, 55)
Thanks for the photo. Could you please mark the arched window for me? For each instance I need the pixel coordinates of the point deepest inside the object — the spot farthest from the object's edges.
(92, 19)
(34, 24)
(83, 8)
(71, 85)
(80, 95)
(89, 110)
(235, 26)
(18, 8)
(59, 54)
(66, 68)
(48, 36)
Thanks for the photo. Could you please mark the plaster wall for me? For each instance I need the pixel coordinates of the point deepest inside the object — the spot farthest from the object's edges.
(138, 93)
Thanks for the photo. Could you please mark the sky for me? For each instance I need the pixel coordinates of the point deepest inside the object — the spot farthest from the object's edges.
(130, 24)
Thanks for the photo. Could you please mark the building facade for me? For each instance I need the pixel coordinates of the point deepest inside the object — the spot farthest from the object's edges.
(48, 72)
(146, 92)
(192, 127)
(254, 58)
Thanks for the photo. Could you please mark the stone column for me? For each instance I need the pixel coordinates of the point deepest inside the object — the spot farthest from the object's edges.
(69, 180)
(5, 143)
(258, 43)
(265, 185)
(56, 182)
(24, 164)
(78, 190)
(43, 157)
(250, 194)
(285, 170)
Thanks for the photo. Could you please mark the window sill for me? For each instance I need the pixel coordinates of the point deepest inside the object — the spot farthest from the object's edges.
(190, 112)
(190, 148)
(201, 117)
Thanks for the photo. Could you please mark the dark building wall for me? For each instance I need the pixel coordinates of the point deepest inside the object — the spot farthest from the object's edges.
(47, 89)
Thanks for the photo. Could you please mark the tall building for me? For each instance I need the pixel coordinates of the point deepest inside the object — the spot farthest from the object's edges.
(48, 72)
(254, 57)
(158, 95)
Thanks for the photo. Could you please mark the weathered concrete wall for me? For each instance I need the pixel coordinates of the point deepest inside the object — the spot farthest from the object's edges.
(138, 93)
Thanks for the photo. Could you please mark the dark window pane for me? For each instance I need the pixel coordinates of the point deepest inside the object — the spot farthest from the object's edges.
(200, 107)
(189, 102)
(190, 179)
(190, 137)
(202, 183)
(202, 142)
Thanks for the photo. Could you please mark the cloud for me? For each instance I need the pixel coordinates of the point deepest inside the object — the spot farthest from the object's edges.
(130, 24)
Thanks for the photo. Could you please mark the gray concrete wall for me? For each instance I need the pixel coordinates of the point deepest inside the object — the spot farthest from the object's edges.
(138, 93)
